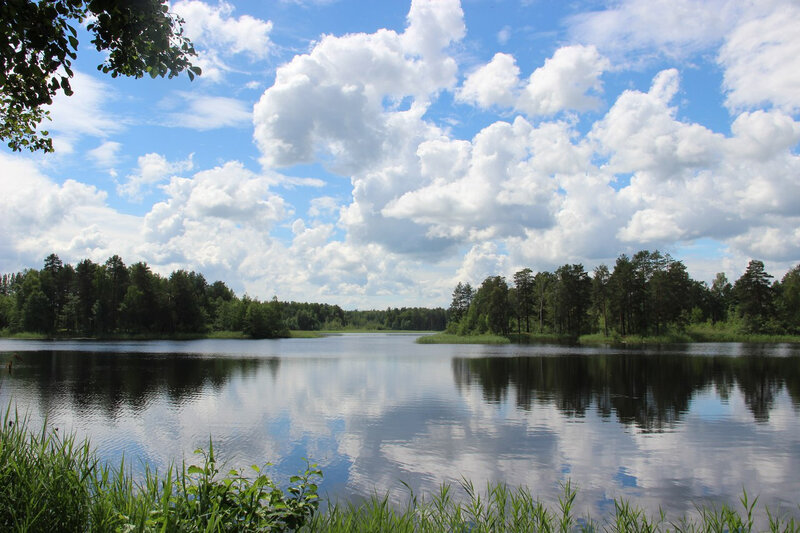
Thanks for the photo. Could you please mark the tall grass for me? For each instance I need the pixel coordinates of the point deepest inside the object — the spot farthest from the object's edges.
(449, 338)
(52, 482)
(501, 509)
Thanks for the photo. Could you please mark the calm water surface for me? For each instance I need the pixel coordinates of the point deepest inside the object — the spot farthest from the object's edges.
(670, 426)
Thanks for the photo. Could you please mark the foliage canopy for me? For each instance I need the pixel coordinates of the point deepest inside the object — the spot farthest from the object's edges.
(39, 41)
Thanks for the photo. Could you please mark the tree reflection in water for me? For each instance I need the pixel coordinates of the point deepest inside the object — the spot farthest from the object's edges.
(649, 390)
(112, 381)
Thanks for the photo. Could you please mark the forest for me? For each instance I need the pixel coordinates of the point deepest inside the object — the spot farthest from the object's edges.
(648, 294)
(112, 299)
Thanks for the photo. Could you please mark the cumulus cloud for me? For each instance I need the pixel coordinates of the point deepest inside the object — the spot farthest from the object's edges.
(761, 58)
(759, 52)
(152, 169)
(71, 219)
(219, 220)
(492, 84)
(538, 186)
(640, 132)
(541, 193)
(332, 98)
(564, 82)
(218, 34)
(570, 80)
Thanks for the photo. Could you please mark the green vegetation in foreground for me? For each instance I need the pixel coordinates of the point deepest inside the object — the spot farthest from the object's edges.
(50, 482)
(449, 338)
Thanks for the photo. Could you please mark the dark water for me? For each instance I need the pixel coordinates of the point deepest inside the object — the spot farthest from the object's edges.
(671, 426)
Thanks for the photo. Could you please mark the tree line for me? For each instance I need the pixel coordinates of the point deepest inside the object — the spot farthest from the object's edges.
(106, 299)
(647, 294)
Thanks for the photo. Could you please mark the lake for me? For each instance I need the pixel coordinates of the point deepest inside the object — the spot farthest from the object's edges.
(670, 426)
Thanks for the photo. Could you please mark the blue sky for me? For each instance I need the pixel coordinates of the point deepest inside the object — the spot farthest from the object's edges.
(376, 153)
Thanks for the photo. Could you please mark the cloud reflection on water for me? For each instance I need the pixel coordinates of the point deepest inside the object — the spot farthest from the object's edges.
(663, 427)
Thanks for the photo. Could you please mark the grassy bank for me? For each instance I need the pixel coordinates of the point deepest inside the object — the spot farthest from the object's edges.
(51, 482)
(22, 335)
(449, 338)
(694, 333)
(669, 338)
(721, 333)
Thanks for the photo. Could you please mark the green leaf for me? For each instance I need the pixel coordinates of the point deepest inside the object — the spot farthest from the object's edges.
(195, 470)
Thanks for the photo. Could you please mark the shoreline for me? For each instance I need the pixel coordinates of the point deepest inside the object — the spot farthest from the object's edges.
(598, 339)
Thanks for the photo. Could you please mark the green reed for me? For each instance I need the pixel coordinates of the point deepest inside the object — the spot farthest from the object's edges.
(52, 482)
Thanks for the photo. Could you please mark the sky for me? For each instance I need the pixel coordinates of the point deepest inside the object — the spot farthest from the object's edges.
(374, 154)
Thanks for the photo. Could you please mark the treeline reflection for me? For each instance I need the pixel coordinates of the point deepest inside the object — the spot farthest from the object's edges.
(112, 381)
(651, 391)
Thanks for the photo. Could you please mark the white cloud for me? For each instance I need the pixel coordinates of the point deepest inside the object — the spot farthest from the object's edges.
(433, 25)
(217, 35)
(640, 133)
(106, 155)
(504, 35)
(323, 205)
(761, 58)
(82, 114)
(332, 99)
(152, 169)
(564, 82)
(492, 84)
(204, 112)
(218, 219)
(759, 53)
(674, 28)
(70, 219)
(481, 261)
(570, 80)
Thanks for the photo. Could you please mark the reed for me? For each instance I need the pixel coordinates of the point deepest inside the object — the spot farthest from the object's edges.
(449, 338)
(502, 509)
(52, 482)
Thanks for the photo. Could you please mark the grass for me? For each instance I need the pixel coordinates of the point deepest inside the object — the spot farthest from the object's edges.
(52, 482)
(449, 338)
(23, 335)
(305, 334)
(693, 333)
(668, 338)
(226, 335)
(502, 509)
(707, 332)
(525, 338)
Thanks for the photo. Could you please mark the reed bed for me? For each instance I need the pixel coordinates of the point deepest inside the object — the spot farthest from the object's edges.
(449, 338)
(502, 509)
(52, 482)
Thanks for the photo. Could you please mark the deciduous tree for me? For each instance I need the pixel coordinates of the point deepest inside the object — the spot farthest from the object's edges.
(39, 41)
